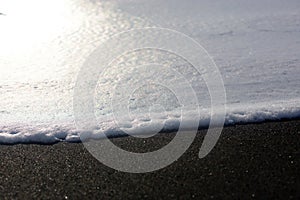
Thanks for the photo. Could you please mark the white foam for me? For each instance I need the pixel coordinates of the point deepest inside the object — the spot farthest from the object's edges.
(49, 133)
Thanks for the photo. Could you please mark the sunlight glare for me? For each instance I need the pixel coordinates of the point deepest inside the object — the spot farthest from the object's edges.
(26, 24)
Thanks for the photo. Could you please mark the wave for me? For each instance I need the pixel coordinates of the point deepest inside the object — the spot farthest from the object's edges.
(236, 114)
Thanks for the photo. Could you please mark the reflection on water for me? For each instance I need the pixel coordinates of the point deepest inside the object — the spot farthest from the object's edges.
(36, 38)
(43, 44)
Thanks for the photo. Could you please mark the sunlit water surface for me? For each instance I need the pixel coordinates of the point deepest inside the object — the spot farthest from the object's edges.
(43, 44)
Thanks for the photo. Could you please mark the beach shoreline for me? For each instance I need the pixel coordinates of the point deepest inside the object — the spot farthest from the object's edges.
(260, 160)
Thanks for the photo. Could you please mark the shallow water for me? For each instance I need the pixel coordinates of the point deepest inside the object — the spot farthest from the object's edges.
(43, 46)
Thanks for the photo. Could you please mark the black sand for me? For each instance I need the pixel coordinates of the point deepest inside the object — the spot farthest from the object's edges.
(250, 161)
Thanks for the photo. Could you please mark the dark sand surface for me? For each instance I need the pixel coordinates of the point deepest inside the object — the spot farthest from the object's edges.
(250, 161)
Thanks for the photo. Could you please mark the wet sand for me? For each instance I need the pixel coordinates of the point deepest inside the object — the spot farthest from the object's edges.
(250, 161)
